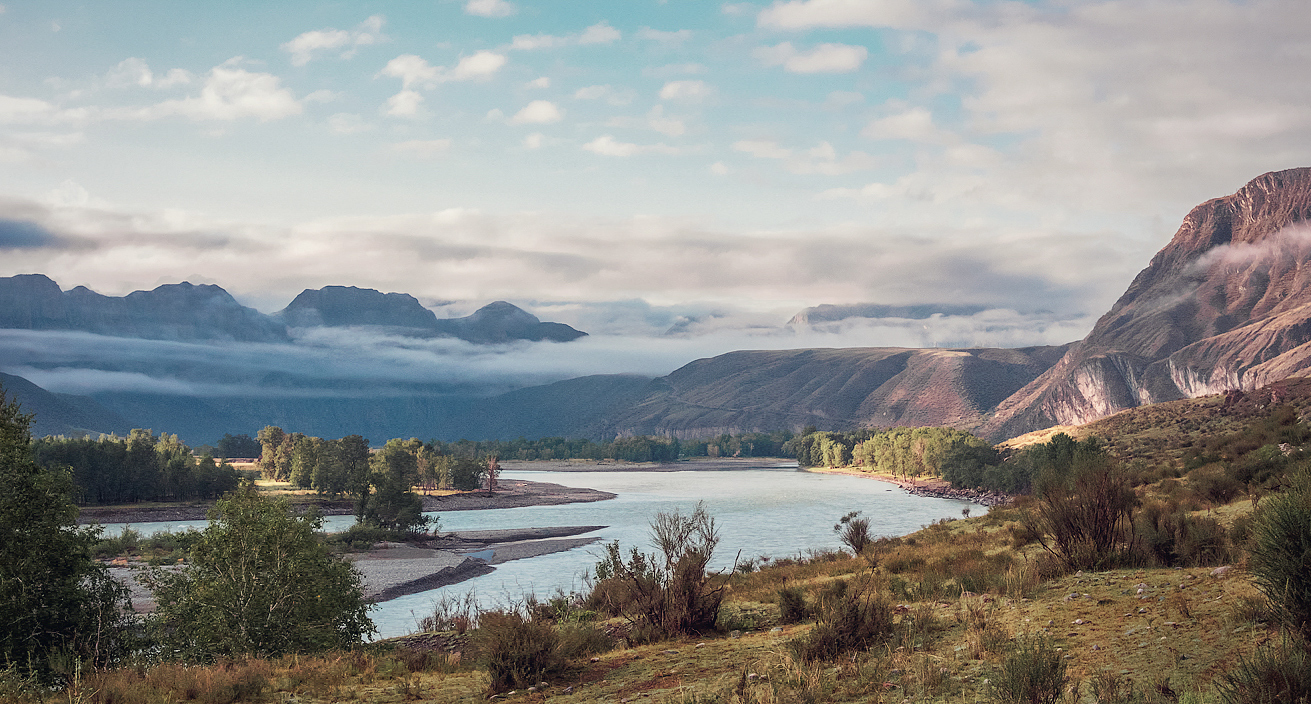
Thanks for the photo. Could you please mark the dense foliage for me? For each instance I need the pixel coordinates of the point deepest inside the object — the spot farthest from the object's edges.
(258, 582)
(630, 449)
(54, 599)
(954, 455)
(139, 467)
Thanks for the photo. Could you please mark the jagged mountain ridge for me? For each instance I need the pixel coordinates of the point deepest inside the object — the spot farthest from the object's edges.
(182, 311)
(1225, 305)
(206, 312)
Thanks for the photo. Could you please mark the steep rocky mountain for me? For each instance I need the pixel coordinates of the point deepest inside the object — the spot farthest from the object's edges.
(342, 306)
(1225, 305)
(171, 312)
(62, 414)
(832, 388)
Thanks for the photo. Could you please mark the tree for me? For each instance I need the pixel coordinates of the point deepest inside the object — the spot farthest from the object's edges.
(393, 504)
(54, 598)
(467, 473)
(258, 582)
(242, 445)
(271, 439)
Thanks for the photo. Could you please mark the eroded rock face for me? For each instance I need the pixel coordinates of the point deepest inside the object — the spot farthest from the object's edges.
(1225, 305)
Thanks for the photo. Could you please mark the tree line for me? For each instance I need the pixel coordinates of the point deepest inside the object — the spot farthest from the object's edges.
(638, 448)
(140, 467)
(962, 459)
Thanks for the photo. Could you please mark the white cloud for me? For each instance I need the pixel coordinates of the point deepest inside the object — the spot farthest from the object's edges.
(915, 124)
(422, 148)
(322, 95)
(413, 70)
(347, 123)
(404, 104)
(538, 112)
(304, 47)
(607, 93)
(480, 65)
(25, 110)
(607, 145)
(542, 82)
(820, 159)
(416, 73)
(737, 9)
(670, 126)
(656, 35)
(230, 93)
(534, 140)
(687, 91)
(825, 58)
(531, 42)
(136, 72)
(600, 33)
(489, 8)
(809, 14)
(718, 168)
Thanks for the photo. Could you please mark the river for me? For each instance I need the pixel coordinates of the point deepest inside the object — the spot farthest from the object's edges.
(776, 512)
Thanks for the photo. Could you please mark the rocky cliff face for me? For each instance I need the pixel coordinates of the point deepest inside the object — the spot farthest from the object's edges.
(173, 312)
(1225, 305)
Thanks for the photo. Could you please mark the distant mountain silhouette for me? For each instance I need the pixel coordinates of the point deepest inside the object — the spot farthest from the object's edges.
(828, 313)
(342, 306)
(171, 312)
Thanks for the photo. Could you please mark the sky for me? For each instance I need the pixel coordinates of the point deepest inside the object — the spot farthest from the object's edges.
(677, 178)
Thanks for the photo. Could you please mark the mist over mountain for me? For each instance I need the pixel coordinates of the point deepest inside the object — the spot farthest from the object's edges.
(401, 313)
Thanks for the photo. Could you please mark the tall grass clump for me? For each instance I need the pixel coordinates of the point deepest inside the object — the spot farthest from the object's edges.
(1033, 673)
(1280, 562)
(851, 617)
(1084, 517)
(1275, 673)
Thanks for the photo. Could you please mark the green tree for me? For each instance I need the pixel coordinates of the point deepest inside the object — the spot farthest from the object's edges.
(53, 597)
(258, 582)
(467, 473)
(393, 503)
(271, 439)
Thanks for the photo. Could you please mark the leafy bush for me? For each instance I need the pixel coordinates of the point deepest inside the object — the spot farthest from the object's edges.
(1033, 673)
(1275, 673)
(1085, 516)
(792, 607)
(1280, 560)
(1179, 538)
(851, 619)
(516, 651)
(258, 582)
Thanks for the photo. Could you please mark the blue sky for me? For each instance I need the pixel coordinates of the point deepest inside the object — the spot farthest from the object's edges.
(636, 167)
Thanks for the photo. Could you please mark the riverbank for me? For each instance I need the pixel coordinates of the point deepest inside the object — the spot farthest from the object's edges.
(513, 493)
(691, 464)
(931, 487)
(392, 570)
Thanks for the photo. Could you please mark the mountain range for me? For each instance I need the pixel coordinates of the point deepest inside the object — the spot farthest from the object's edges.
(1226, 304)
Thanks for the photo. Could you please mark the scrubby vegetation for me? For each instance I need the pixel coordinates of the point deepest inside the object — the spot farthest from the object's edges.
(1165, 564)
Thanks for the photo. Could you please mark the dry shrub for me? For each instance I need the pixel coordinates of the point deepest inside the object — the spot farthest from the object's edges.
(1169, 536)
(852, 618)
(516, 651)
(221, 683)
(1085, 519)
(1033, 673)
(792, 606)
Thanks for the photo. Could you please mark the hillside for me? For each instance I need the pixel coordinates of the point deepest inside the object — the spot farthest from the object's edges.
(831, 388)
(1225, 305)
(62, 414)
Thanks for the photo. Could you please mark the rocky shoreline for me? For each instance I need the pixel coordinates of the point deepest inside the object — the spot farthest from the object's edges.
(930, 488)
